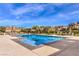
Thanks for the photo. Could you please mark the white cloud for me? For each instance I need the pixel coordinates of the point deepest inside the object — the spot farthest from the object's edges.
(62, 16)
(25, 9)
(74, 12)
(10, 22)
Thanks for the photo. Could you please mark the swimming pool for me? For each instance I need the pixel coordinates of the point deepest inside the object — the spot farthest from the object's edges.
(34, 40)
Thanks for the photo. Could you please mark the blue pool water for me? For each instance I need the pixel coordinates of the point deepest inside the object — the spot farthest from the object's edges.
(35, 40)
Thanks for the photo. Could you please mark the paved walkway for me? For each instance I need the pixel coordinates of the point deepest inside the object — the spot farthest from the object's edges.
(67, 47)
(72, 49)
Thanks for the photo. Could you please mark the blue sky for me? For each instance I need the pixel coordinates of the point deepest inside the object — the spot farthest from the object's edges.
(46, 14)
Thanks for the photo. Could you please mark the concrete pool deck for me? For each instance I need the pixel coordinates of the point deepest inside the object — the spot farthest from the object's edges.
(67, 47)
(10, 48)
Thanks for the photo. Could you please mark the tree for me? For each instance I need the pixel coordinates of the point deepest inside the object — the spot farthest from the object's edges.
(2, 29)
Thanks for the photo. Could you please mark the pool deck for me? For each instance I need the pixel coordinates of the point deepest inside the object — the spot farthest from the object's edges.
(67, 47)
